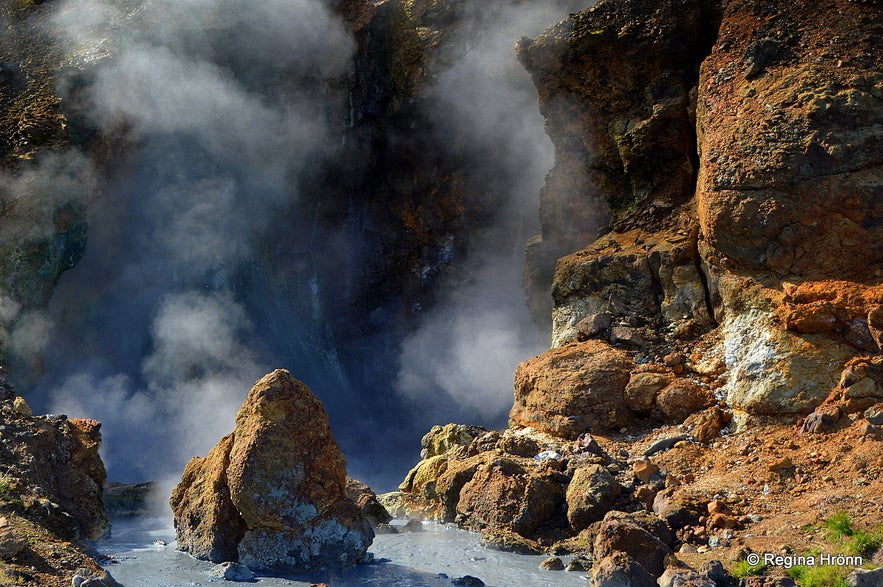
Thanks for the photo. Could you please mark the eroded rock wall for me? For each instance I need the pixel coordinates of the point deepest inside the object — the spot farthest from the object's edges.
(741, 226)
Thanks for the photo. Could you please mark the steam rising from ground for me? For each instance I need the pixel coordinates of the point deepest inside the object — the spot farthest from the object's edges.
(462, 358)
(221, 106)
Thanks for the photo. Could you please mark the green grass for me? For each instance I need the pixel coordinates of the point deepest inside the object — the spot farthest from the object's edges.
(744, 569)
(827, 576)
(855, 542)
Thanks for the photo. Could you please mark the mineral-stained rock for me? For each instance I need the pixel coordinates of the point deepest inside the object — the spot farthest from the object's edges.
(57, 458)
(573, 389)
(821, 420)
(272, 495)
(620, 532)
(504, 494)
(441, 439)
(619, 569)
(614, 85)
(590, 494)
(706, 425)
(362, 495)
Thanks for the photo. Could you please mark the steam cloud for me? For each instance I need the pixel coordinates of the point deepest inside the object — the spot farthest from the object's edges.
(462, 358)
(221, 106)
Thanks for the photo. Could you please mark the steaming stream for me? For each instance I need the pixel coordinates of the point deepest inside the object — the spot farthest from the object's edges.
(432, 558)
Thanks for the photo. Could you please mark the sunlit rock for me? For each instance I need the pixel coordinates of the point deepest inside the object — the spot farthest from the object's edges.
(272, 495)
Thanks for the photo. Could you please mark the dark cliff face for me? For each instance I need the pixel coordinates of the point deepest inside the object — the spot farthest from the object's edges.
(319, 219)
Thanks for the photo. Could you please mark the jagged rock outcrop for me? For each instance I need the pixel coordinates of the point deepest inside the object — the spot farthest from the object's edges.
(272, 495)
(51, 482)
(53, 463)
(616, 85)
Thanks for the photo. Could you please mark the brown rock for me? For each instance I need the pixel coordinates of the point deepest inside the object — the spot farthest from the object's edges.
(60, 457)
(591, 492)
(793, 197)
(506, 495)
(868, 430)
(366, 500)
(592, 326)
(642, 388)
(678, 507)
(287, 510)
(618, 569)
(682, 398)
(822, 420)
(643, 469)
(11, 543)
(207, 523)
(781, 465)
(625, 535)
(572, 390)
(553, 563)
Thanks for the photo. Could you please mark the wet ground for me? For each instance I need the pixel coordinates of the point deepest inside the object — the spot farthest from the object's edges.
(142, 553)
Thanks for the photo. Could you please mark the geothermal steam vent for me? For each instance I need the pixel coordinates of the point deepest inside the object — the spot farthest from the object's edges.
(272, 495)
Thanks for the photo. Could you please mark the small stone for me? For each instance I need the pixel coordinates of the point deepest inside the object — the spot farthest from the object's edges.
(820, 421)
(673, 359)
(687, 549)
(21, 406)
(553, 563)
(468, 581)
(780, 465)
(626, 336)
(874, 415)
(413, 525)
(593, 325)
(230, 571)
(644, 469)
(866, 429)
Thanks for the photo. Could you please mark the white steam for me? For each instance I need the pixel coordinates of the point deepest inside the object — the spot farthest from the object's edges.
(194, 381)
(462, 358)
(218, 107)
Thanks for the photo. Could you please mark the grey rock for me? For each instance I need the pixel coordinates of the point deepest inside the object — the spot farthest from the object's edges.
(673, 577)
(865, 578)
(88, 578)
(665, 444)
(874, 415)
(553, 563)
(232, 572)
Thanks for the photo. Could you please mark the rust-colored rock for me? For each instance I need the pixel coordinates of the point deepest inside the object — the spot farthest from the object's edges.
(790, 152)
(682, 398)
(504, 494)
(287, 509)
(574, 389)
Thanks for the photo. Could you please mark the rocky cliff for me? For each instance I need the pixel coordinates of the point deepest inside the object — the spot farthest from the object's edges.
(734, 288)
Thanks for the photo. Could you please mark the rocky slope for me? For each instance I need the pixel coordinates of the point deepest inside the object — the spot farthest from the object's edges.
(50, 496)
(735, 291)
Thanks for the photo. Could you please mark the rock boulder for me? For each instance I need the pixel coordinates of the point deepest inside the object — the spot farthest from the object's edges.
(272, 495)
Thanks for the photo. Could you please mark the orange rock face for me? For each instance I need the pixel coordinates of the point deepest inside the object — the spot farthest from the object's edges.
(573, 389)
(790, 141)
(272, 495)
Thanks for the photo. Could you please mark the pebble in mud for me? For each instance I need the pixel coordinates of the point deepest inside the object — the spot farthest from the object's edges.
(468, 581)
(553, 563)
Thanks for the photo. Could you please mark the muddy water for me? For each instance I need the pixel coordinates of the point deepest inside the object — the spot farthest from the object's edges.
(142, 554)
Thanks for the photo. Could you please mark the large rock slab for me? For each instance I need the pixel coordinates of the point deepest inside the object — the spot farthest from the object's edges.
(573, 389)
(790, 137)
(272, 495)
